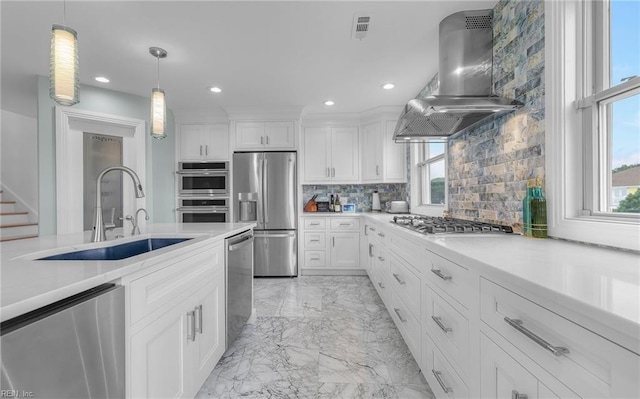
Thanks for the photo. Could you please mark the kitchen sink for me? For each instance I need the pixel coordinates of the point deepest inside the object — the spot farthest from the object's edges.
(118, 252)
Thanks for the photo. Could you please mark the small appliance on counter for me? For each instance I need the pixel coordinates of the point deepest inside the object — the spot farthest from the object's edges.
(397, 207)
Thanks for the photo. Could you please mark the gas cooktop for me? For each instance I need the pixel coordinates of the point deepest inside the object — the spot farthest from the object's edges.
(440, 225)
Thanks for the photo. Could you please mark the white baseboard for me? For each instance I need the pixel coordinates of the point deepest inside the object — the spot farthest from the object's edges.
(333, 272)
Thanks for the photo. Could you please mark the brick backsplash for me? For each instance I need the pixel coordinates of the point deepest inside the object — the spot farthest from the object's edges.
(488, 165)
(358, 194)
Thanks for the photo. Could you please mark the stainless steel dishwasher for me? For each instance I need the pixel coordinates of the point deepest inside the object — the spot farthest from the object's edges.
(239, 276)
(73, 348)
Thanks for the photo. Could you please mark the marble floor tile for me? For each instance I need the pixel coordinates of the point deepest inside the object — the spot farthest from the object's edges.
(317, 337)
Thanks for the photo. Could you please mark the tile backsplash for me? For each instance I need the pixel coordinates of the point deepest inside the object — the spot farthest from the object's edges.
(358, 194)
(488, 165)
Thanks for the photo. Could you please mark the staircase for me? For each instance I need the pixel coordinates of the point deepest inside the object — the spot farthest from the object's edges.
(15, 224)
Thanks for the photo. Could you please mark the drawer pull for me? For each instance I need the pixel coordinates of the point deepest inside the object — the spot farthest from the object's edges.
(438, 376)
(191, 325)
(314, 240)
(397, 277)
(439, 273)
(371, 250)
(402, 319)
(381, 285)
(314, 224)
(345, 224)
(517, 324)
(315, 258)
(381, 235)
(438, 321)
(517, 395)
(381, 258)
(372, 228)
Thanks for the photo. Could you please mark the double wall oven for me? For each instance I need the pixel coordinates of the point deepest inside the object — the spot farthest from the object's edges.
(203, 192)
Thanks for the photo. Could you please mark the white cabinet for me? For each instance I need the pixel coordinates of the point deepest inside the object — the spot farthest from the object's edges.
(382, 159)
(202, 142)
(265, 135)
(330, 243)
(331, 154)
(176, 318)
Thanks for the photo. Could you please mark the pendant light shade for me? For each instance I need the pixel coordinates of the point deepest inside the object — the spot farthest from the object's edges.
(63, 66)
(158, 114)
(158, 101)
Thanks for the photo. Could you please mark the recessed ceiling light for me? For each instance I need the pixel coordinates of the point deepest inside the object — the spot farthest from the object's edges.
(329, 102)
(216, 89)
(102, 79)
(388, 86)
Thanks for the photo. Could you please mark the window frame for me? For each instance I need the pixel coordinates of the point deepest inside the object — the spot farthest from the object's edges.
(573, 150)
(418, 161)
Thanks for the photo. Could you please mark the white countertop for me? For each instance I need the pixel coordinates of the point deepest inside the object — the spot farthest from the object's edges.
(599, 285)
(28, 284)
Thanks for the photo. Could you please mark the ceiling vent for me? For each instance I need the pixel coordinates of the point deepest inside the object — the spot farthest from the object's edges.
(361, 26)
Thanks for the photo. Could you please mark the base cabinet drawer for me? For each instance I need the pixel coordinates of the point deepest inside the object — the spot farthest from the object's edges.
(315, 258)
(588, 364)
(448, 328)
(408, 325)
(345, 223)
(405, 283)
(315, 223)
(442, 378)
(503, 377)
(313, 240)
(451, 278)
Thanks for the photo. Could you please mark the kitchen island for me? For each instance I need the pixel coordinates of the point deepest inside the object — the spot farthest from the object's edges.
(28, 284)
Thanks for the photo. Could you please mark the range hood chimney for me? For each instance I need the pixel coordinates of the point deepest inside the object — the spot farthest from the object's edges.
(465, 95)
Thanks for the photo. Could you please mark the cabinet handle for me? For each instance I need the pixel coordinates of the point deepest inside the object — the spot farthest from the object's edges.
(381, 235)
(206, 149)
(333, 241)
(517, 324)
(198, 319)
(261, 140)
(438, 376)
(191, 326)
(267, 140)
(314, 240)
(439, 273)
(402, 319)
(315, 224)
(382, 259)
(315, 258)
(328, 172)
(333, 172)
(517, 395)
(438, 321)
(381, 285)
(397, 277)
(201, 150)
(372, 228)
(344, 224)
(371, 250)
(377, 170)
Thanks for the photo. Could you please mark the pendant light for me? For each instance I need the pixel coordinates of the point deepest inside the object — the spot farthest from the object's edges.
(158, 101)
(63, 64)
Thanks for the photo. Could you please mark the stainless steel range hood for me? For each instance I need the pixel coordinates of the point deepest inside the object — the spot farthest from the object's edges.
(465, 94)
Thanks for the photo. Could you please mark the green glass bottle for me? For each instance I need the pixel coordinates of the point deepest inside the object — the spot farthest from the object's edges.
(526, 209)
(538, 212)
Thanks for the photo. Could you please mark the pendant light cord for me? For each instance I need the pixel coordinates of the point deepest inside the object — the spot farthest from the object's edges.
(64, 13)
(158, 57)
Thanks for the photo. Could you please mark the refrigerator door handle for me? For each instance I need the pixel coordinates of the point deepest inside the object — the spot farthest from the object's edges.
(260, 209)
(265, 194)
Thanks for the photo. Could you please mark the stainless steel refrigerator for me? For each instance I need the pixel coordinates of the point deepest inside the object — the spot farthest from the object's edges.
(264, 190)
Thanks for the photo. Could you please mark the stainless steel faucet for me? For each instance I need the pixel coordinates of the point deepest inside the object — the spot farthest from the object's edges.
(98, 224)
(134, 221)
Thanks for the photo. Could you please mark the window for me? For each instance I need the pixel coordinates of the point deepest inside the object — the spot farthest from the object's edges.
(592, 118)
(431, 171)
(615, 108)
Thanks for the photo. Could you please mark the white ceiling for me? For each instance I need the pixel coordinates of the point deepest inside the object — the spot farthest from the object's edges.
(262, 53)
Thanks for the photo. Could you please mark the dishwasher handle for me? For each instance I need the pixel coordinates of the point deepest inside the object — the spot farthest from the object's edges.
(241, 244)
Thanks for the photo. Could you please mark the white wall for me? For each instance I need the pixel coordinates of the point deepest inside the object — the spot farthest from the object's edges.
(19, 157)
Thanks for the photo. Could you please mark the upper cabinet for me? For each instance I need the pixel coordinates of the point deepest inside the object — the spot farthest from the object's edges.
(331, 154)
(265, 135)
(383, 160)
(203, 142)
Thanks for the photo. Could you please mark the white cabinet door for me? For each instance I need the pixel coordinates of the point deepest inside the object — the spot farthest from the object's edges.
(372, 165)
(249, 135)
(216, 141)
(191, 142)
(501, 375)
(210, 328)
(159, 353)
(345, 249)
(345, 160)
(317, 142)
(279, 135)
(395, 156)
